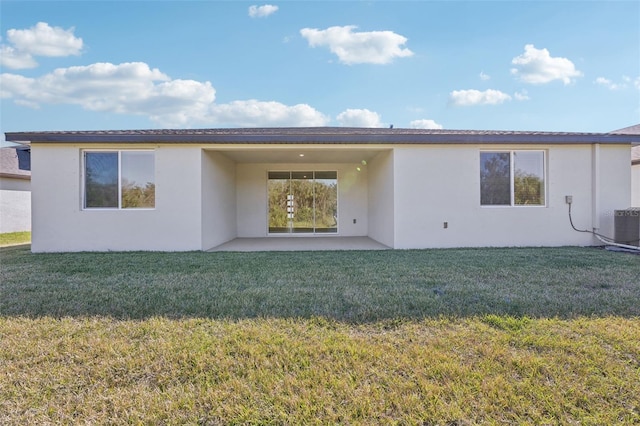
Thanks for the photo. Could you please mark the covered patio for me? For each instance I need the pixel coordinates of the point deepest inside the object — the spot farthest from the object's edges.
(300, 244)
(296, 197)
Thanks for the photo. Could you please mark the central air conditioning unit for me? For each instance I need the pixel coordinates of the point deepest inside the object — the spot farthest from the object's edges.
(627, 226)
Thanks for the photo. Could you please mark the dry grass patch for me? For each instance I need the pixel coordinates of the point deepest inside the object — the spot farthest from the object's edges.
(491, 369)
(13, 238)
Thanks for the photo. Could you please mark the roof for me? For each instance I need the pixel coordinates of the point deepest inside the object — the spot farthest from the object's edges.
(631, 130)
(9, 165)
(318, 135)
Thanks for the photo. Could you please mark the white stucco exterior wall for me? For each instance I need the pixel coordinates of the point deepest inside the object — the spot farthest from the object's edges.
(381, 198)
(218, 199)
(15, 205)
(615, 181)
(252, 197)
(442, 184)
(401, 198)
(60, 224)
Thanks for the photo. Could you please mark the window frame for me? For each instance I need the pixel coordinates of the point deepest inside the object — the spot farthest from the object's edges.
(512, 194)
(83, 179)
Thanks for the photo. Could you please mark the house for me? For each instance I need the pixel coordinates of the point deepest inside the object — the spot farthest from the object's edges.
(15, 190)
(635, 176)
(179, 190)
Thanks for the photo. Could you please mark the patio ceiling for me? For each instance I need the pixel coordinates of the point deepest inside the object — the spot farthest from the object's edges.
(302, 154)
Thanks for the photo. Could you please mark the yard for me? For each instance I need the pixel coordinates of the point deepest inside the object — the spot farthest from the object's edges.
(15, 238)
(434, 337)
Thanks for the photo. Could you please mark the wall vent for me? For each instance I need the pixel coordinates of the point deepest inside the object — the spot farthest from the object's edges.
(627, 226)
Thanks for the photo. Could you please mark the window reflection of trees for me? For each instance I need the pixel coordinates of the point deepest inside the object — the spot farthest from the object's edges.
(528, 180)
(101, 179)
(103, 182)
(496, 178)
(495, 186)
(137, 196)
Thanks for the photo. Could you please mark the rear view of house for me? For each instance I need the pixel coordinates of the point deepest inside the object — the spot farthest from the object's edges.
(177, 190)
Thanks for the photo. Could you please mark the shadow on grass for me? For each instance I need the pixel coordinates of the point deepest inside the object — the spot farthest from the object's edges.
(348, 286)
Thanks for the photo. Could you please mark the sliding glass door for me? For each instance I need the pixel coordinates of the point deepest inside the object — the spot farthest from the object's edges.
(303, 202)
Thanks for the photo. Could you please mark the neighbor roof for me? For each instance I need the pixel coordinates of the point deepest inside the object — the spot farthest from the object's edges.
(319, 135)
(9, 165)
(631, 130)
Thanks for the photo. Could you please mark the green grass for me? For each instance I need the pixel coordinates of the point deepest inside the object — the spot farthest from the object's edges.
(426, 337)
(12, 238)
(351, 286)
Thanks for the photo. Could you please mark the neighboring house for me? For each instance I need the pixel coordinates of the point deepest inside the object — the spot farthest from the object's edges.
(177, 190)
(635, 176)
(15, 191)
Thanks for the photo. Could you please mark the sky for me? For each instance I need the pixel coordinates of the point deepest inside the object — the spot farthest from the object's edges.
(482, 65)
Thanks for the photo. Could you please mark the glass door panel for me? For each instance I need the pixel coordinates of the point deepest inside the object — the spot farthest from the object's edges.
(277, 191)
(326, 202)
(302, 191)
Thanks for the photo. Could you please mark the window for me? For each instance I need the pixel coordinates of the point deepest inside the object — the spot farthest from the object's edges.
(119, 179)
(512, 178)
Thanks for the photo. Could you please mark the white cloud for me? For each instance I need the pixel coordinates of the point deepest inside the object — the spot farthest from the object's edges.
(484, 77)
(537, 66)
(425, 124)
(253, 113)
(635, 82)
(608, 83)
(359, 118)
(14, 59)
(136, 89)
(476, 97)
(373, 47)
(44, 40)
(262, 11)
(39, 40)
(16, 86)
(522, 95)
(612, 85)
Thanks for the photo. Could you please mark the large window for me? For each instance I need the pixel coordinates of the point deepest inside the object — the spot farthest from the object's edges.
(119, 179)
(512, 178)
(303, 202)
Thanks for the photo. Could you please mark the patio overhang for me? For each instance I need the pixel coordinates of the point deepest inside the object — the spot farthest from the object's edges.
(300, 154)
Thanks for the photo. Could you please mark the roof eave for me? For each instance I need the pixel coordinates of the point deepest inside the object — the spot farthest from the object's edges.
(304, 138)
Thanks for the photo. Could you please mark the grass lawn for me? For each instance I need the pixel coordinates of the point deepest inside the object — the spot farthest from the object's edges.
(13, 238)
(432, 337)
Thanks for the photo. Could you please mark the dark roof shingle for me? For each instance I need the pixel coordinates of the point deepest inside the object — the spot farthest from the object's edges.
(320, 135)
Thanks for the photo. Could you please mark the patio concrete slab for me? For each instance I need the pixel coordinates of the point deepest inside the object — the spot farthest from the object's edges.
(300, 244)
